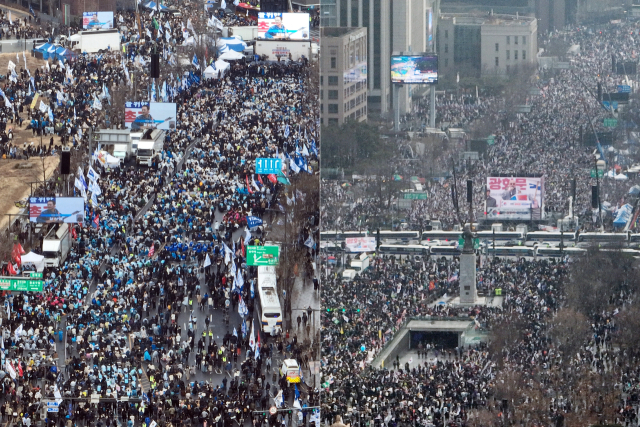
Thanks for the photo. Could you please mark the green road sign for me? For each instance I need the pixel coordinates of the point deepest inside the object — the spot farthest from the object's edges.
(414, 196)
(23, 285)
(35, 275)
(610, 122)
(262, 255)
(600, 173)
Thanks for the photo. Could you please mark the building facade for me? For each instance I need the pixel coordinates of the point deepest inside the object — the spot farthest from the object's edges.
(399, 25)
(343, 75)
(483, 45)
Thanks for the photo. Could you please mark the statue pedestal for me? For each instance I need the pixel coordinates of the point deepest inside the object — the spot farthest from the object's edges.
(468, 292)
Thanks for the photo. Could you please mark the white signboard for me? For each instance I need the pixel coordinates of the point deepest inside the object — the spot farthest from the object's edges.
(360, 244)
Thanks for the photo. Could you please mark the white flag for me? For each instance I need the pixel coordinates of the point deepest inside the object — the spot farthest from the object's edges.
(252, 337)
(207, 261)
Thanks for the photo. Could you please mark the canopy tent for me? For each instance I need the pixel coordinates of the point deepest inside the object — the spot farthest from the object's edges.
(232, 43)
(35, 259)
(231, 55)
(63, 54)
(153, 5)
(218, 71)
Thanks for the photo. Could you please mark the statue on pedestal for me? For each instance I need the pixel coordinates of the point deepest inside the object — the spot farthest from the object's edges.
(468, 236)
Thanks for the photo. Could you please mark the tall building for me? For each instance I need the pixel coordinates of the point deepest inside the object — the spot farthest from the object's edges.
(474, 45)
(343, 75)
(399, 25)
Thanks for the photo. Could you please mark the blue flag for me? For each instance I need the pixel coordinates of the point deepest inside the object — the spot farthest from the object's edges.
(314, 149)
(297, 392)
(253, 221)
(31, 11)
(286, 131)
(195, 61)
(253, 291)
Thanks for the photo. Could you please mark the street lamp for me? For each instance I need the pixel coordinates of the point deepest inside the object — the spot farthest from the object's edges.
(598, 164)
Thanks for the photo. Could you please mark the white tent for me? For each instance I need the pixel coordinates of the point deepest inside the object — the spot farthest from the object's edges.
(621, 177)
(112, 161)
(210, 73)
(35, 259)
(222, 65)
(231, 55)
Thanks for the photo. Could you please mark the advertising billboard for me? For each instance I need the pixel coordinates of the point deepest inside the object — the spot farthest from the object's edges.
(360, 244)
(97, 20)
(283, 26)
(150, 115)
(56, 209)
(514, 198)
(422, 68)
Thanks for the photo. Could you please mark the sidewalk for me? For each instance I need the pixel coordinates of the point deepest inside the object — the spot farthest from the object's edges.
(303, 296)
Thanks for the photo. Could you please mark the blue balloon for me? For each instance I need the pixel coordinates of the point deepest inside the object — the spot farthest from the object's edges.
(362, 348)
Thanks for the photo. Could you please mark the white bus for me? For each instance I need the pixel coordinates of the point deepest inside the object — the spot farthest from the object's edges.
(269, 308)
(511, 251)
(406, 236)
(417, 250)
(329, 235)
(555, 252)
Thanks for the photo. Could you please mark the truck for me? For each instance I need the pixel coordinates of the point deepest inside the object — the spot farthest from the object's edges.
(94, 41)
(245, 33)
(348, 274)
(275, 49)
(291, 371)
(361, 263)
(117, 142)
(56, 246)
(151, 143)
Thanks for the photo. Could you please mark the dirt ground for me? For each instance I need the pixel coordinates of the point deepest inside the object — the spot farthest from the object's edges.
(14, 183)
(32, 63)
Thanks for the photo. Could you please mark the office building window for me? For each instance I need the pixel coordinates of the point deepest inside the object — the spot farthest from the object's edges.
(515, 55)
(515, 39)
(332, 94)
(446, 62)
(508, 68)
(321, 80)
(524, 39)
(446, 48)
(333, 122)
(524, 55)
(333, 108)
(497, 47)
(497, 61)
(322, 108)
(508, 39)
(333, 80)
(446, 34)
(508, 52)
(333, 62)
(321, 95)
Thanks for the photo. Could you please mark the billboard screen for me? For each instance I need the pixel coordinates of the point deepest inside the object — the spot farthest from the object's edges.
(283, 26)
(514, 198)
(97, 20)
(360, 244)
(56, 209)
(414, 68)
(150, 115)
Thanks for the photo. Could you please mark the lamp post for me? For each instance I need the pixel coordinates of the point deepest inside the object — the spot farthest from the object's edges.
(599, 163)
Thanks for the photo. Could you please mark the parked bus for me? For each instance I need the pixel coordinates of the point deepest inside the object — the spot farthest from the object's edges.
(555, 251)
(407, 236)
(501, 237)
(604, 238)
(442, 236)
(511, 251)
(341, 235)
(445, 251)
(554, 237)
(269, 308)
(404, 250)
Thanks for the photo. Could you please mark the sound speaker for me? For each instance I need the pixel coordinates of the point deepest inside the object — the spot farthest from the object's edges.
(273, 6)
(594, 196)
(65, 163)
(573, 190)
(154, 68)
(469, 191)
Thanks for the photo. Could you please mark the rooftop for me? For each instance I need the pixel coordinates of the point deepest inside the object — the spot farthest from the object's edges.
(338, 31)
(487, 19)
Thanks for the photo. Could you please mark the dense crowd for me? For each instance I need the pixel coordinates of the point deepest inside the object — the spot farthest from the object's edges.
(453, 388)
(155, 300)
